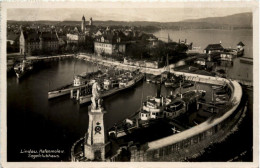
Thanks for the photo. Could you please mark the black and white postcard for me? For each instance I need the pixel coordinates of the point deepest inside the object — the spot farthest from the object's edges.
(129, 84)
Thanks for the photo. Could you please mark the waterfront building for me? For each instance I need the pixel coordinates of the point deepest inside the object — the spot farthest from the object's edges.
(213, 48)
(32, 41)
(240, 49)
(227, 56)
(240, 45)
(110, 44)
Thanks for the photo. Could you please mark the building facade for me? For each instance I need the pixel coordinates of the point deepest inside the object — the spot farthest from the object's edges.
(109, 45)
(31, 42)
(213, 48)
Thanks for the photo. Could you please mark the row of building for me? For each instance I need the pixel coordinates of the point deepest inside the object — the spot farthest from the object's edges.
(106, 41)
(216, 52)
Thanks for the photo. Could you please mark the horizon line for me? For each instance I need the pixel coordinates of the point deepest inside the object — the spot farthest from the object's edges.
(128, 21)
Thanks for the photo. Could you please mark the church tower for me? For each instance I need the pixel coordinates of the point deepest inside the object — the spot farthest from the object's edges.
(83, 24)
(90, 22)
(94, 146)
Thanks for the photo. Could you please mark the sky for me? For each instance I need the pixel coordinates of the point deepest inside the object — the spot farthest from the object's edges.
(119, 14)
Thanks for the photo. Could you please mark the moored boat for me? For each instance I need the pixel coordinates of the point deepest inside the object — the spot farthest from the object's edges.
(115, 87)
(80, 81)
(22, 68)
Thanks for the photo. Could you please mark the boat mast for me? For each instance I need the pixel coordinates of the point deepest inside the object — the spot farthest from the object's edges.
(74, 70)
(180, 90)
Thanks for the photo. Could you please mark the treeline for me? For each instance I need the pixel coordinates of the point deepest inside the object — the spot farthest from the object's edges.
(158, 52)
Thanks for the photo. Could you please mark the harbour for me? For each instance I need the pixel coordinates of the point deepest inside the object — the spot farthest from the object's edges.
(150, 90)
(118, 103)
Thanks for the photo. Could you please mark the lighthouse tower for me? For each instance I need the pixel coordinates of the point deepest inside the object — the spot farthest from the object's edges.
(94, 147)
(83, 24)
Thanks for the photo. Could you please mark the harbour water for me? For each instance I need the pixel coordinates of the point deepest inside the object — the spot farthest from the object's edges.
(35, 123)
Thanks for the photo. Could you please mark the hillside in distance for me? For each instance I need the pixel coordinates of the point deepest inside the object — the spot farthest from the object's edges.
(236, 21)
(239, 20)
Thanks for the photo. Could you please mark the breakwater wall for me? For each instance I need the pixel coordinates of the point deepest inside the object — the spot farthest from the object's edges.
(191, 142)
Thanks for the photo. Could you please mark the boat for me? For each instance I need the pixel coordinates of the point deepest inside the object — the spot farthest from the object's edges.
(80, 81)
(111, 87)
(22, 68)
(155, 109)
(175, 109)
(156, 79)
(187, 84)
(246, 60)
(149, 78)
(217, 87)
(169, 82)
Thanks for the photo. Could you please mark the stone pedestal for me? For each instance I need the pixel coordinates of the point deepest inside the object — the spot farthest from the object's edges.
(94, 147)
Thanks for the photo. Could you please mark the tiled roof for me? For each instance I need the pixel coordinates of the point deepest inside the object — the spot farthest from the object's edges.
(48, 36)
(12, 36)
(111, 37)
(35, 36)
(240, 43)
(214, 47)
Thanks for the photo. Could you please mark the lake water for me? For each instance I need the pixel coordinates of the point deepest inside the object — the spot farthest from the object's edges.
(228, 39)
(34, 122)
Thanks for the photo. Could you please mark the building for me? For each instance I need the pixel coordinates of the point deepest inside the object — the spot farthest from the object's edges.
(78, 36)
(227, 56)
(12, 42)
(240, 49)
(90, 22)
(83, 24)
(240, 45)
(110, 44)
(213, 48)
(32, 41)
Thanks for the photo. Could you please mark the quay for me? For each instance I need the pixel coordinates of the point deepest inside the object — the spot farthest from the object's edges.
(49, 58)
(108, 63)
(246, 60)
(13, 58)
(153, 71)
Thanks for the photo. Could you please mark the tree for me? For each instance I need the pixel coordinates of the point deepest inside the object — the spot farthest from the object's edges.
(68, 48)
(89, 44)
(74, 48)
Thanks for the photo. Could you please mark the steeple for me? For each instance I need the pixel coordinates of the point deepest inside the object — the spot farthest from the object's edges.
(90, 22)
(83, 24)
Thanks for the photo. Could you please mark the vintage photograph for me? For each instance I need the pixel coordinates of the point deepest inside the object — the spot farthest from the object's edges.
(131, 84)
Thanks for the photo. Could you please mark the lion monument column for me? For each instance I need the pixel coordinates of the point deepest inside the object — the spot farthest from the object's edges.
(94, 147)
